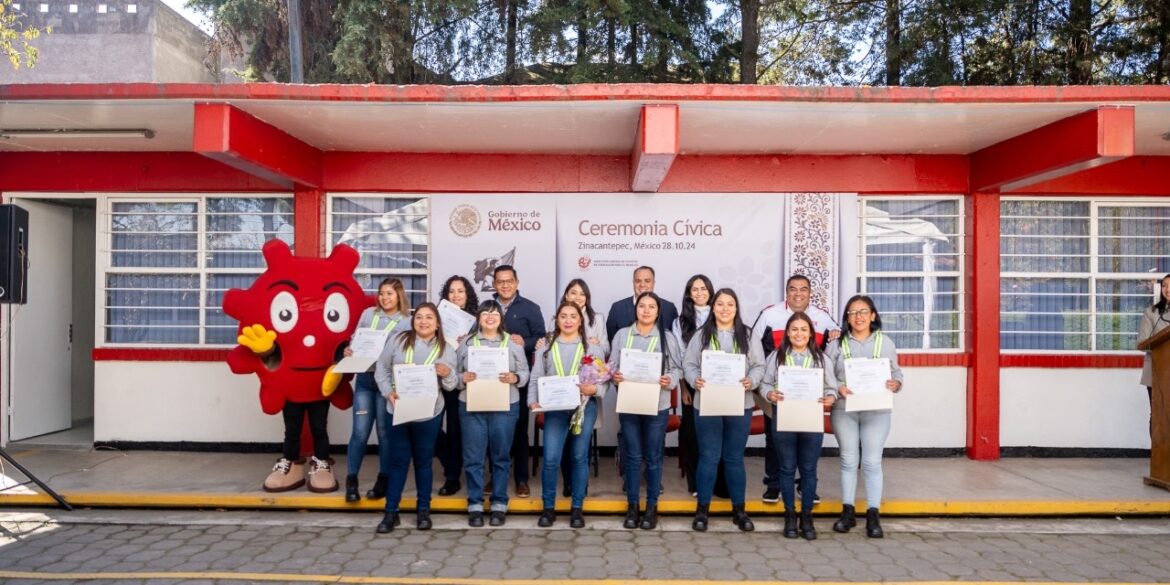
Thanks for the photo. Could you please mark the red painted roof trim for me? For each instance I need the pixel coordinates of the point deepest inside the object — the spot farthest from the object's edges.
(643, 92)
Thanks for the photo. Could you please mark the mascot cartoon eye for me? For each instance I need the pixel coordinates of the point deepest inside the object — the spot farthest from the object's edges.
(284, 312)
(336, 313)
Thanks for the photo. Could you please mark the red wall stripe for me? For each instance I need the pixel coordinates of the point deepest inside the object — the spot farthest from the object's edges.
(1102, 361)
(150, 354)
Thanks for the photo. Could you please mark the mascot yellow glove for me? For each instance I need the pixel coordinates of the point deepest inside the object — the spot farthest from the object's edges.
(330, 382)
(257, 338)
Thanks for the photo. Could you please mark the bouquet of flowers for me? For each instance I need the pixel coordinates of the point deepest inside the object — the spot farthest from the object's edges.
(593, 371)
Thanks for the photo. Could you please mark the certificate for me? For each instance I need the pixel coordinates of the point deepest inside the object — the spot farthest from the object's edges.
(638, 397)
(722, 393)
(641, 366)
(456, 322)
(558, 393)
(486, 393)
(800, 416)
(866, 379)
(418, 390)
(487, 363)
(800, 384)
(366, 346)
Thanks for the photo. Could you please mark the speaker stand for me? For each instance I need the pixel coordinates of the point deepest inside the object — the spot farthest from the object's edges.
(48, 490)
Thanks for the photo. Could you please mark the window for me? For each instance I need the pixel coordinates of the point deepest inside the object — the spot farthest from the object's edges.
(911, 257)
(170, 261)
(1076, 274)
(391, 233)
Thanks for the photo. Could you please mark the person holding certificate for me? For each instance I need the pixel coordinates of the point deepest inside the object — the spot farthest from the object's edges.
(458, 291)
(559, 394)
(872, 359)
(648, 366)
(723, 363)
(1154, 320)
(411, 371)
(379, 323)
(784, 379)
(489, 363)
(695, 310)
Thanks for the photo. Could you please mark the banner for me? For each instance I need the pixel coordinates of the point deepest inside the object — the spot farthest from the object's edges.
(734, 239)
(472, 234)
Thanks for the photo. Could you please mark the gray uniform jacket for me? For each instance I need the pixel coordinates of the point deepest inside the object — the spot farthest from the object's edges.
(517, 364)
(394, 354)
(543, 365)
(1150, 324)
(861, 349)
(672, 356)
(693, 362)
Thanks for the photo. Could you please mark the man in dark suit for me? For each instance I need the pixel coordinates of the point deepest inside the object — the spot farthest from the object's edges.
(621, 314)
(522, 318)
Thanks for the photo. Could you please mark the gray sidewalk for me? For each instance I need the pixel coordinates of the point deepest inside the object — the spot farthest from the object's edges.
(913, 487)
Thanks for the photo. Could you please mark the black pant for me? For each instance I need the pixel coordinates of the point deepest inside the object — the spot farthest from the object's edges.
(689, 444)
(294, 421)
(449, 444)
(771, 458)
(520, 442)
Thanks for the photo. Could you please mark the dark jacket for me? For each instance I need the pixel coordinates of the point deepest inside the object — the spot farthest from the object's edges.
(523, 318)
(622, 314)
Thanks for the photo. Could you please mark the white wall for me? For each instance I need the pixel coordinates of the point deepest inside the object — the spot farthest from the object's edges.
(205, 402)
(1081, 408)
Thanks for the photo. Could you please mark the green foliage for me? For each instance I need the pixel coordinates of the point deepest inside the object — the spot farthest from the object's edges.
(16, 40)
(797, 42)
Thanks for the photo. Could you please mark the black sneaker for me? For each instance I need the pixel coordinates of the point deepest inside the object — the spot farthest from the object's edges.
(816, 498)
(498, 518)
(450, 487)
(475, 519)
(771, 496)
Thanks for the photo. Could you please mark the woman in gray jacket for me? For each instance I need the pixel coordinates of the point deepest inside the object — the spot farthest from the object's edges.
(423, 344)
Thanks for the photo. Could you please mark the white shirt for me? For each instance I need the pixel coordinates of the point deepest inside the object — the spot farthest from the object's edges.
(777, 316)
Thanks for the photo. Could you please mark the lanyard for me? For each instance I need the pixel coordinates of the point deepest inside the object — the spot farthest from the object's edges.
(556, 353)
(430, 358)
(393, 322)
(475, 342)
(715, 344)
(649, 348)
(877, 347)
(788, 361)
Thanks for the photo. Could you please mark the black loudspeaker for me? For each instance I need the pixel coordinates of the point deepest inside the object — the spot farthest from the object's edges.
(13, 254)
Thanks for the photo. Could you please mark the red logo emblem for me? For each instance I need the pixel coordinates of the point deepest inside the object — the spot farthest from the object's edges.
(584, 262)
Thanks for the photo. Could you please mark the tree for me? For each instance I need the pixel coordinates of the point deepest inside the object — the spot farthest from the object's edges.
(16, 40)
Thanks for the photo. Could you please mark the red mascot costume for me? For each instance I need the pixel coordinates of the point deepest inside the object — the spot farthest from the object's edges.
(295, 321)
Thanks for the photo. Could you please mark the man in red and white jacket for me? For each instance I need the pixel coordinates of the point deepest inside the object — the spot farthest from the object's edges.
(769, 327)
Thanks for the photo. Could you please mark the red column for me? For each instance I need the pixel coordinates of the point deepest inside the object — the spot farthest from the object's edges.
(309, 222)
(983, 326)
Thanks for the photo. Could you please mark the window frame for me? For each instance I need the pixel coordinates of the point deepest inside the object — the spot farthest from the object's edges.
(864, 274)
(330, 234)
(1093, 275)
(105, 252)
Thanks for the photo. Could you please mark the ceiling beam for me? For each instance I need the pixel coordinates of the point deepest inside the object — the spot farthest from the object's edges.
(655, 147)
(236, 138)
(1083, 141)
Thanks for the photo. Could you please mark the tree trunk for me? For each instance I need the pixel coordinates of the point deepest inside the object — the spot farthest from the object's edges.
(611, 42)
(1079, 48)
(750, 34)
(510, 43)
(1163, 34)
(893, 42)
(632, 51)
(582, 34)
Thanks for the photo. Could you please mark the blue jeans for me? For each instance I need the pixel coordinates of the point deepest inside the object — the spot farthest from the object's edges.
(861, 435)
(797, 451)
(487, 434)
(722, 438)
(369, 411)
(412, 441)
(643, 439)
(556, 432)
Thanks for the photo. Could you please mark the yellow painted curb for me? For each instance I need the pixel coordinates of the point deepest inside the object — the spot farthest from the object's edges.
(336, 503)
(299, 578)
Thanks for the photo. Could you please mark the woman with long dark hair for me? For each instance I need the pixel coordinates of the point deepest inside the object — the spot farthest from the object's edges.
(723, 438)
(449, 445)
(392, 316)
(1154, 320)
(414, 441)
(861, 435)
(695, 310)
(489, 434)
(563, 356)
(643, 435)
(797, 449)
